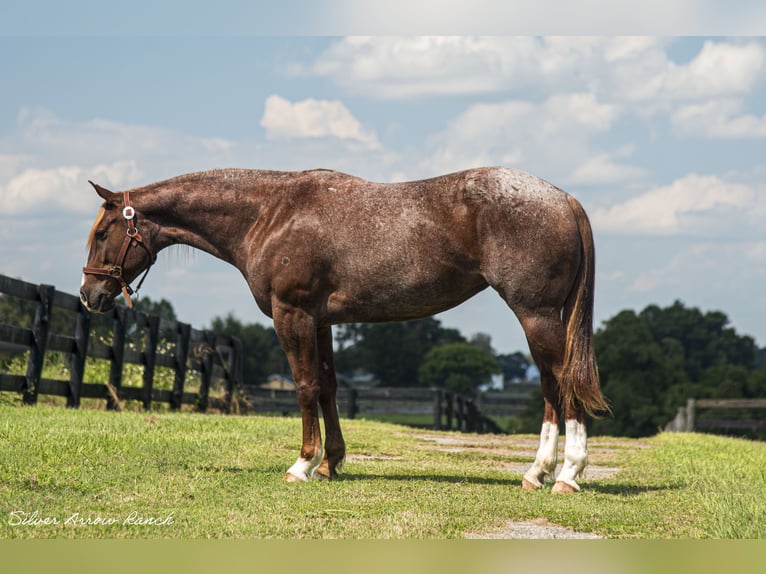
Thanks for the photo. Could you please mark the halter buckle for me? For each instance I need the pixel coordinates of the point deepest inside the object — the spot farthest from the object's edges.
(128, 212)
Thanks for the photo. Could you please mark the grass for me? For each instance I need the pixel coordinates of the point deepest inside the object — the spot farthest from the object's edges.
(97, 474)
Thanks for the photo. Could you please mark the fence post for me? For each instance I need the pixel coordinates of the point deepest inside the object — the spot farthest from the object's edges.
(206, 369)
(235, 372)
(77, 366)
(438, 403)
(690, 414)
(181, 355)
(119, 326)
(351, 407)
(449, 408)
(463, 423)
(39, 341)
(150, 357)
(472, 417)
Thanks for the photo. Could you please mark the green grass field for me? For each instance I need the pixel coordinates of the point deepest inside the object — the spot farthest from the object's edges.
(97, 474)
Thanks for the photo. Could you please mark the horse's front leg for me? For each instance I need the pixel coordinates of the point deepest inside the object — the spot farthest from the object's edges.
(297, 333)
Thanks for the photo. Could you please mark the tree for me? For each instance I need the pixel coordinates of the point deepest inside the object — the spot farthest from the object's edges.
(391, 352)
(513, 366)
(458, 367)
(483, 341)
(650, 363)
(263, 355)
(163, 307)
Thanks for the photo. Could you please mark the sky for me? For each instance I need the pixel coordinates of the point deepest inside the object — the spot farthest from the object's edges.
(660, 135)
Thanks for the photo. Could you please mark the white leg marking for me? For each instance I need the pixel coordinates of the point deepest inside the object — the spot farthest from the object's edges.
(575, 453)
(303, 469)
(547, 453)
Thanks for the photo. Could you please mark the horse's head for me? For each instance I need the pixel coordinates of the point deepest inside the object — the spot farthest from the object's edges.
(118, 253)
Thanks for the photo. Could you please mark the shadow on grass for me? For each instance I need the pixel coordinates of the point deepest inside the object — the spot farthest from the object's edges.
(431, 478)
(616, 489)
(611, 489)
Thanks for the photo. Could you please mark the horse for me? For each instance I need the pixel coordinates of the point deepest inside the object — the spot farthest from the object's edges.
(319, 248)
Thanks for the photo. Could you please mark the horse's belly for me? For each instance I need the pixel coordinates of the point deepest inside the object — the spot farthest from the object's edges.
(389, 299)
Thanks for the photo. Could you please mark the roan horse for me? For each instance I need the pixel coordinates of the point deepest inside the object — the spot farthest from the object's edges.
(319, 248)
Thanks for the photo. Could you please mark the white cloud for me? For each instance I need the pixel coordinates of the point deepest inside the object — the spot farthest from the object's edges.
(720, 68)
(314, 119)
(541, 137)
(64, 187)
(396, 68)
(604, 169)
(693, 204)
(53, 159)
(619, 69)
(42, 134)
(718, 118)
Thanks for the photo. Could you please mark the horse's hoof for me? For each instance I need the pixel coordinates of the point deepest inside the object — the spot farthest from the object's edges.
(526, 485)
(290, 477)
(324, 472)
(563, 488)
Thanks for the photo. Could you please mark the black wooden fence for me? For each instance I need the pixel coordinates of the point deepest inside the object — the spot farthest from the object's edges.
(135, 338)
(215, 356)
(442, 409)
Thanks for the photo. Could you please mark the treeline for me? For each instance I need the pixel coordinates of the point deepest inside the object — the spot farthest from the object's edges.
(650, 362)
(408, 354)
(653, 361)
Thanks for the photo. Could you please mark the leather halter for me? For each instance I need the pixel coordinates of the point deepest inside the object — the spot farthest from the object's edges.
(132, 238)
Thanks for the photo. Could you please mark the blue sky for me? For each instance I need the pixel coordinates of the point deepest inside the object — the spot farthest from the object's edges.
(661, 138)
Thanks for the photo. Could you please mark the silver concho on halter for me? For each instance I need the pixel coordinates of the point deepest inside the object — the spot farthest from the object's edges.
(128, 212)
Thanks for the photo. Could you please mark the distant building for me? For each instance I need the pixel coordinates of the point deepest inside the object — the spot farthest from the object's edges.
(278, 383)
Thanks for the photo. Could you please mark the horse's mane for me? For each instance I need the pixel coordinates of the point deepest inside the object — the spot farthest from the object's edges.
(92, 234)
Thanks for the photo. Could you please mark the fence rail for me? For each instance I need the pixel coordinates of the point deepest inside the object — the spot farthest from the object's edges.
(687, 420)
(443, 409)
(215, 356)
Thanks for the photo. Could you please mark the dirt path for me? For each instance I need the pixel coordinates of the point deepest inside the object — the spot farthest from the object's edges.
(600, 453)
(537, 529)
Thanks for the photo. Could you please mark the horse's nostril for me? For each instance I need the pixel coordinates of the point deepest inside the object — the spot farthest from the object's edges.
(83, 297)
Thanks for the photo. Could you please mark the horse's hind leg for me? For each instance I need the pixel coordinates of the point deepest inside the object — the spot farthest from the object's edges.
(545, 335)
(575, 451)
(335, 446)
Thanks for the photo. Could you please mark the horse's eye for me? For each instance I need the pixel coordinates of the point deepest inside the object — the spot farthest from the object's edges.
(100, 235)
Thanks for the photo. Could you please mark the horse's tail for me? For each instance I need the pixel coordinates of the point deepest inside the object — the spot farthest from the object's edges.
(580, 381)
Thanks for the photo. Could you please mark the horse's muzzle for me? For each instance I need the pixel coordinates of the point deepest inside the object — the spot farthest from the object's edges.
(97, 301)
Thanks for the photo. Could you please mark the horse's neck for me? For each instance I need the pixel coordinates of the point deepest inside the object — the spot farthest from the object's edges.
(202, 217)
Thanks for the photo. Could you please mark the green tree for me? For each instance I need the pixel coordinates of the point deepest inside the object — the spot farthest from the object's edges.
(650, 363)
(263, 355)
(458, 367)
(163, 307)
(391, 352)
(513, 365)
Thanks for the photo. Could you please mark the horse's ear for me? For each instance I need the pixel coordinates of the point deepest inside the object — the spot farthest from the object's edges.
(102, 191)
